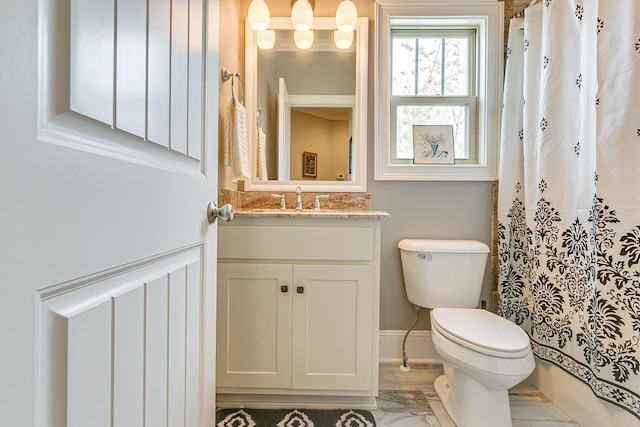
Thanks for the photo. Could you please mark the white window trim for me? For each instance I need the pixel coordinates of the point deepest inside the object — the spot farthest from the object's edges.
(489, 16)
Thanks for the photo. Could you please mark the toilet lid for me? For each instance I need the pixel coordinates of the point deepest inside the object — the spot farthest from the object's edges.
(481, 331)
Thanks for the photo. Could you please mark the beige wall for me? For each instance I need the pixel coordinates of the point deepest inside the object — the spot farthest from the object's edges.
(231, 30)
(440, 210)
(311, 133)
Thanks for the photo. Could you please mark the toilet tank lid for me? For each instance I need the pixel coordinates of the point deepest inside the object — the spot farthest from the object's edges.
(445, 246)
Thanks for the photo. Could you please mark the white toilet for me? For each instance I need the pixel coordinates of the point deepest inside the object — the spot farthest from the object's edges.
(483, 354)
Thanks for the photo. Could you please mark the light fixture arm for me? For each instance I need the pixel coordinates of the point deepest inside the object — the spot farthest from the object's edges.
(311, 2)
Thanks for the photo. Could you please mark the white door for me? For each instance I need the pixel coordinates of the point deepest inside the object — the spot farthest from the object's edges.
(108, 158)
(284, 131)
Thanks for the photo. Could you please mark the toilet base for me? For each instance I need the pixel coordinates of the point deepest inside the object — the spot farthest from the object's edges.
(470, 404)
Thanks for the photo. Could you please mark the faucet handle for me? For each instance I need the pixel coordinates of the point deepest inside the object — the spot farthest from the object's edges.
(299, 198)
(282, 203)
(316, 204)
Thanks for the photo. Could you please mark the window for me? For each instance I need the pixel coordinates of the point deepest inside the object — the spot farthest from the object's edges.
(432, 83)
(438, 65)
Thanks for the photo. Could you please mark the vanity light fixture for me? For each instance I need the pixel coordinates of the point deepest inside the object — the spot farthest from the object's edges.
(302, 21)
(259, 15)
(266, 39)
(303, 39)
(346, 16)
(302, 15)
(343, 39)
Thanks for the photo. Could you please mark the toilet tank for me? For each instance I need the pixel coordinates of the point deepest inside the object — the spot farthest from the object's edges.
(443, 273)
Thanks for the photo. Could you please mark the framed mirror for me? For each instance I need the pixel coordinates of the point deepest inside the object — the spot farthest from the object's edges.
(301, 101)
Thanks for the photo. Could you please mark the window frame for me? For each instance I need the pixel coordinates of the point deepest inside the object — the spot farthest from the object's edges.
(469, 101)
(487, 16)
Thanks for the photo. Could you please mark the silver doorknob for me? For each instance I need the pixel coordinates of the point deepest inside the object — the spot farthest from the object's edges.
(225, 212)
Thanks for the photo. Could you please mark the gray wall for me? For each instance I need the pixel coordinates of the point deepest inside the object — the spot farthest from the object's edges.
(434, 210)
(419, 209)
(440, 210)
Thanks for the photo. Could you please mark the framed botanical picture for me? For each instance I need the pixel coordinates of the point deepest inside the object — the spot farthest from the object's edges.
(433, 144)
(309, 164)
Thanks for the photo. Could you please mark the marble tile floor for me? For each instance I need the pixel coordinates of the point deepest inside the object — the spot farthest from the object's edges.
(409, 400)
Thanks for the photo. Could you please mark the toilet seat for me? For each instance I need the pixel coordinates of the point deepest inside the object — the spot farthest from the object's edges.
(481, 331)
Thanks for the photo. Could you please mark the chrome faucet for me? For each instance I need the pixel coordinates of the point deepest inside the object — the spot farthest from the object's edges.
(316, 204)
(299, 201)
(282, 203)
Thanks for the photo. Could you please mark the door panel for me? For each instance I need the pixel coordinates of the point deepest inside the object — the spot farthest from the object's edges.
(195, 88)
(139, 70)
(91, 58)
(159, 77)
(284, 132)
(179, 74)
(131, 67)
(88, 382)
(132, 344)
(193, 346)
(108, 262)
(176, 349)
(156, 343)
(128, 357)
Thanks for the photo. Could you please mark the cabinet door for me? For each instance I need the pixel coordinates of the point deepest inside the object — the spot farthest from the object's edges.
(254, 325)
(332, 327)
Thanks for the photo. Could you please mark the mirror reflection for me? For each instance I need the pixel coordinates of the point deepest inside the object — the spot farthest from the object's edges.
(307, 100)
(326, 132)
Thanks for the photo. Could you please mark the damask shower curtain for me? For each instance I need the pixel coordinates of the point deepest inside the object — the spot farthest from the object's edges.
(569, 190)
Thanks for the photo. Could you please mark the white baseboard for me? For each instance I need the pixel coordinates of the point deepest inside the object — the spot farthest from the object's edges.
(419, 347)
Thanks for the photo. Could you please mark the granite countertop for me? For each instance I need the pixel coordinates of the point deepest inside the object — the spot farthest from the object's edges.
(310, 213)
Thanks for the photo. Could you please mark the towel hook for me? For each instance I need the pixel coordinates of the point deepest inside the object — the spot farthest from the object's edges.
(226, 75)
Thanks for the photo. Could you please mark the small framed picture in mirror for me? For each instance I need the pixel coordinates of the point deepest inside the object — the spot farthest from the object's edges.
(309, 164)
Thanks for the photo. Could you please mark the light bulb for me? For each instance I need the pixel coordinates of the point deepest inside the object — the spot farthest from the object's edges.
(343, 39)
(258, 15)
(346, 16)
(302, 15)
(266, 39)
(303, 39)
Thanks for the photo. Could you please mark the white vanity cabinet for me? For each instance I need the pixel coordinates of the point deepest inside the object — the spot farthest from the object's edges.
(298, 304)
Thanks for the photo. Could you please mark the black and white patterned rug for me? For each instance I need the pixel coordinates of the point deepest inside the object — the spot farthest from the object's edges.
(244, 417)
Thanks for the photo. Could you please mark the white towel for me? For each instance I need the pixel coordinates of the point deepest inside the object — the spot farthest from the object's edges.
(262, 156)
(236, 152)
